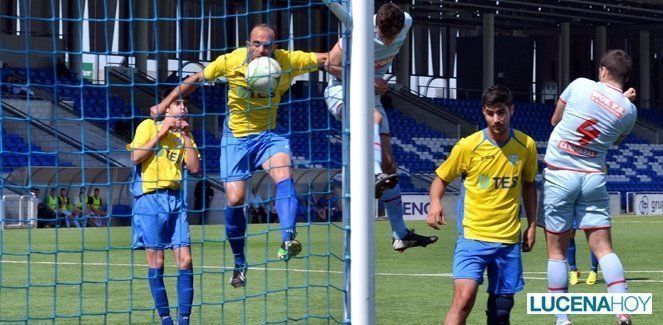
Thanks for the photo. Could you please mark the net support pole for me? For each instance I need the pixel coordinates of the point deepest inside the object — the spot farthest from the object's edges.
(362, 189)
(337, 9)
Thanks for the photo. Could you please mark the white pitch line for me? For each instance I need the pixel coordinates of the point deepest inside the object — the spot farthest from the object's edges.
(431, 275)
(625, 271)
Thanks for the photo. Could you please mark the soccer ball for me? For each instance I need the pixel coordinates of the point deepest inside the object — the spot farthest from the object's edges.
(263, 75)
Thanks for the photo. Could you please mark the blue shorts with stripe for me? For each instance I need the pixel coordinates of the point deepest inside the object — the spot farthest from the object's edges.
(159, 221)
(241, 156)
(503, 262)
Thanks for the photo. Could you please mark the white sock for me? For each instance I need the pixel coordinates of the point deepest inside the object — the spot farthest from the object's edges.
(558, 282)
(613, 273)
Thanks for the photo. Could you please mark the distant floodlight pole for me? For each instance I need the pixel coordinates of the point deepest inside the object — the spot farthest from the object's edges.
(362, 202)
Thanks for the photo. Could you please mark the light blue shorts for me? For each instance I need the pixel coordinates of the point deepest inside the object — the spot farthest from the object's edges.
(241, 156)
(159, 221)
(574, 200)
(334, 100)
(503, 262)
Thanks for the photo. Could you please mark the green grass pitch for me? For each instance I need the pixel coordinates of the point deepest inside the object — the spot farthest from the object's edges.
(96, 278)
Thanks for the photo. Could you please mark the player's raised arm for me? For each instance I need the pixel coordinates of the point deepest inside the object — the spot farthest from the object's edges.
(630, 94)
(191, 156)
(142, 147)
(334, 61)
(436, 215)
(187, 86)
(322, 59)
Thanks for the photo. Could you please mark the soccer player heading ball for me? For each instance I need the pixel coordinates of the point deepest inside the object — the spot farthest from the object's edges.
(248, 140)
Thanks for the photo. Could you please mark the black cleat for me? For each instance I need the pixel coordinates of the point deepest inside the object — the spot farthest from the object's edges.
(412, 240)
(384, 182)
(239, 276)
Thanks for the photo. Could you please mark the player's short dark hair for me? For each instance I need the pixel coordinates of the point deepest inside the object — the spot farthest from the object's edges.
(619, 65)
(497, 95)
(96, 189)
(390, 20)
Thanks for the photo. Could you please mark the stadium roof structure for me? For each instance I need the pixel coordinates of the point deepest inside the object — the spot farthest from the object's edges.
(538, 14)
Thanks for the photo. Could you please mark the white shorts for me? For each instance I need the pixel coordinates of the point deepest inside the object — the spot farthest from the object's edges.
(573, 197)
(334, 100)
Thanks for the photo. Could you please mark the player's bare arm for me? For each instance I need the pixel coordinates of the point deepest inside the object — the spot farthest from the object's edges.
(530, 202)
(322, 59)
(333, 65)
(334, 61)
(139, 154)
(436, 217)
(185, 89)
(191, 160)
(559, 112)
(630, 94)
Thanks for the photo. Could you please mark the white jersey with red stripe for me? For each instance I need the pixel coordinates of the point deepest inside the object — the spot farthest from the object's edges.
(595, 117)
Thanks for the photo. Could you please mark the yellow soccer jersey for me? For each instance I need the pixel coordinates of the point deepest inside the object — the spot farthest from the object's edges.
(492, 182)
(249, 113)
(163, 169)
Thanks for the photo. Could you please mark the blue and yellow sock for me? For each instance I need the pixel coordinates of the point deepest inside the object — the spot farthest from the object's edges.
(158, 289)
(235, 231)
(571, 255)
(286, 207)
(595, 261)
(184, 295)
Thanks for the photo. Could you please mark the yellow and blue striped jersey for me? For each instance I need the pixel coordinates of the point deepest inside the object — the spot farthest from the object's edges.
(492, 183)
(249, 113)
(163, 168)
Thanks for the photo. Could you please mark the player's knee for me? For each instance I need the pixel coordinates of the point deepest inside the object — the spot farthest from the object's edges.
(156, 262)
(235, 199)
(185, 262)
(464, 299)
(499, 309)
(280, 174)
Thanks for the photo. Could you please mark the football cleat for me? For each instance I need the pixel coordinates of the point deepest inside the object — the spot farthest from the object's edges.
(591, 278)
(239, 276)
(384, 182)
(412, 240)
(573, 277)
(289, 249)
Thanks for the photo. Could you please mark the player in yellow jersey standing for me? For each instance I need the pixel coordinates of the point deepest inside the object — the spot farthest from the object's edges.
(159, 222)
(497, 164)
(249, 141)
